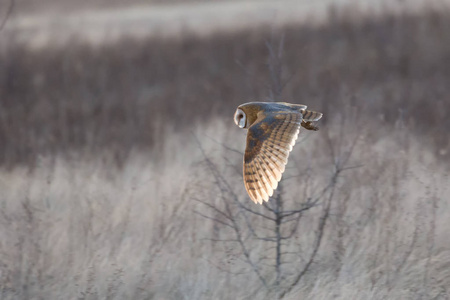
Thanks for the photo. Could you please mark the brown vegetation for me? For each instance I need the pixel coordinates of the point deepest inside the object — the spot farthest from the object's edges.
(52, 6)
(80, 97)
(100, 168)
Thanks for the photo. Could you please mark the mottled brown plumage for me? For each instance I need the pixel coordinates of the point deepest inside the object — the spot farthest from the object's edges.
(273, 128)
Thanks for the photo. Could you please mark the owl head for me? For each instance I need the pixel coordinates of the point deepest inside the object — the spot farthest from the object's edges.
(246, 115)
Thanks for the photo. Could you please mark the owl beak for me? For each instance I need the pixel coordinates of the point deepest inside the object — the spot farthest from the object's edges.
(242, 123)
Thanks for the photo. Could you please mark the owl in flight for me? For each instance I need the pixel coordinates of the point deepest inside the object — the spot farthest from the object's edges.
(273, 128)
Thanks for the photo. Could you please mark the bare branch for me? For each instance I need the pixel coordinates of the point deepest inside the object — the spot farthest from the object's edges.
(296, 218)
(8, 14)
(275, 216)
(339, 167)
(234, 225)
(213, 219)
(247, 255)
(254, 212)
(220, 240)
(352, 167)
(306, 206)
(286, 178)
(295, 227)
(317, 243)
(236, 170)
(225, 146)
(266, 206)
(223, 270)
(213, 208)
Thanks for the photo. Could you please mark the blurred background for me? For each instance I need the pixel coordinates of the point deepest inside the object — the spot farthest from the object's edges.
(119, 154)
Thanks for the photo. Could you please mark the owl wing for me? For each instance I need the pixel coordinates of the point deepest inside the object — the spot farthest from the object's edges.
(269, 141)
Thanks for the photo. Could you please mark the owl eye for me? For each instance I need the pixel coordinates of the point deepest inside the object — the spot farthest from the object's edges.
(239, 118)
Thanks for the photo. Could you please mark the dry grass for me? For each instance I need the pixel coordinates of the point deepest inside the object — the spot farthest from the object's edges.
(99, 168)
(54, 6)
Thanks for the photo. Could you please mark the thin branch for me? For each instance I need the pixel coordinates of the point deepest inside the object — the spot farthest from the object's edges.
(267, 239)
(220, 240)
(352, 167)
(235, 226)
(250, 227)
(213, 208)
(213, 219)
(254, 212)
(318, 242)
(225, 146)
(296, 218)
(322, 223)
(223, 270)
(306, 206)
(408, 252)
(266, 206)
(281, 47)
(8, 14)
(235, 169)
(247, 256)
(295, 227)
(286, 178)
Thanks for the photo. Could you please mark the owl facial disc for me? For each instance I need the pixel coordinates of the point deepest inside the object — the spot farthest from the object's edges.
(239, 118)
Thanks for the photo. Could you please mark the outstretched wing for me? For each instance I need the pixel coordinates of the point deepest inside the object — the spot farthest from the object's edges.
(269, 141)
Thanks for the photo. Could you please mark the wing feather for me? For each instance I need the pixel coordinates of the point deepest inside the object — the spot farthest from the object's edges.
(271, 168)
(274, 165)
(249, 181)
(269, 142)
(258, 183)
(265, 180)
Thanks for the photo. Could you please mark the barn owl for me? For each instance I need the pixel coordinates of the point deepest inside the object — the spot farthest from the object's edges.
(273, 128)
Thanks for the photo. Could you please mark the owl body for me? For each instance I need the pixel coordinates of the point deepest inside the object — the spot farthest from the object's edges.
(252, 109)
(273, 128)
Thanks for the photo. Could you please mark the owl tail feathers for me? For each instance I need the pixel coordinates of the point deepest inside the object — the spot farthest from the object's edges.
(311, 116)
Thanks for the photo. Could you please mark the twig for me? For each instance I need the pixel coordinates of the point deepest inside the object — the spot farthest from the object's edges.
(225, 146)
(213, 207)
(219, 178)
(8, 14)
(318, 242)
(213, 219)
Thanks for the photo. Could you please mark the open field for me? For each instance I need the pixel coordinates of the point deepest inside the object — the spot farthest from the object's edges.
(60, 6)
(60, 22)
(109, 154)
